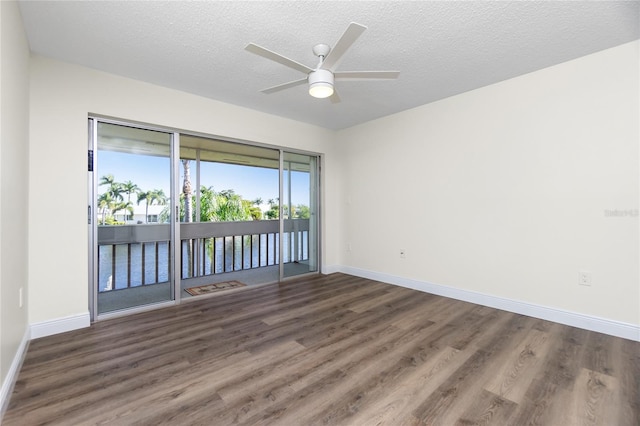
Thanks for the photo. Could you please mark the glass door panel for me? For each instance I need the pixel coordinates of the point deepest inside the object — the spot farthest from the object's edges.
(133, 217)
(300, 216)
(232, 233)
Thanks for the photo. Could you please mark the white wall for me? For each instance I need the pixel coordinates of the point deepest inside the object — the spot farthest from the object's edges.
(62, 95)
(14, 142)
(503, 190)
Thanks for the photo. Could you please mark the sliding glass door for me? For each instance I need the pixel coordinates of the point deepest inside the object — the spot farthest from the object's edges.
(132, 225)
(300, 214)
(231, 232)
(173, 216)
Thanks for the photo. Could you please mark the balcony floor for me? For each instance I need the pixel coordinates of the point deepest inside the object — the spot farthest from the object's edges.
(134, 297)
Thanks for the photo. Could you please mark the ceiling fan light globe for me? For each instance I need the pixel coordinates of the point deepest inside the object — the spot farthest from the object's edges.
(321, 83)
(321, 90)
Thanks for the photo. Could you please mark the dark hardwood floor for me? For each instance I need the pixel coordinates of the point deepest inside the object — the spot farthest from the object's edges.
(336, 350)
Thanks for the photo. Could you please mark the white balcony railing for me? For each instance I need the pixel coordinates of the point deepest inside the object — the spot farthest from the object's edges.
(138, 255)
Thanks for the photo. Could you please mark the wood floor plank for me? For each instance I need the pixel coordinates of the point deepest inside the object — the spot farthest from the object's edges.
(367, 378)
(329, 356)
(512, 379)
(328, 350)
(200, 389)
(592, 398)
(487, 408)
(628, 374)
(437, 405)
(370, 303)
(502, 342)
(556, 377)
(398, 402)
(392, 373)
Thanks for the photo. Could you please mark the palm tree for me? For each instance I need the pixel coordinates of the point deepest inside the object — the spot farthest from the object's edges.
(223, 206)
(123, 205)
(188, 204)
(115, 188)
(109, 199)
(230, 207)
(274, 210)
(154, 195)
(254, 208)
(129, 188)
(207, 203)
(107, 180)
(186, 190)
(105, 203)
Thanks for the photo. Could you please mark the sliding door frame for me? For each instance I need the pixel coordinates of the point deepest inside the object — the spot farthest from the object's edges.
(314, 208)
(92, 190)
(175, 218)
(94, 120)
(175, 255)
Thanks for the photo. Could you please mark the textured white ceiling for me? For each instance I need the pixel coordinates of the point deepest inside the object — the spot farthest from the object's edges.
(440, 48)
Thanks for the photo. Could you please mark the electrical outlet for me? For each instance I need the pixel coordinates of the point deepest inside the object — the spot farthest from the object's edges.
(584, 278)
(403, 253)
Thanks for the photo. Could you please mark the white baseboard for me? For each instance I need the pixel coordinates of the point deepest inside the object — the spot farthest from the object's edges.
(60, 325)
(587, 322)
(12, 375)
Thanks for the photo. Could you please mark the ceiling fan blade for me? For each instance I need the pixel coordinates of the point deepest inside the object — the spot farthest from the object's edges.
(366, 75)
(349, 37)
(335, 99)
(266, 53)
(280, 87)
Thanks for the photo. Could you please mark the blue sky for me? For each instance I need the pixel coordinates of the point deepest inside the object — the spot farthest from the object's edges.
(151, 172)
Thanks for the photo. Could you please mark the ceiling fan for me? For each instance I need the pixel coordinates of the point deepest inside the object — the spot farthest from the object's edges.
(321, 78)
